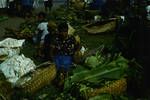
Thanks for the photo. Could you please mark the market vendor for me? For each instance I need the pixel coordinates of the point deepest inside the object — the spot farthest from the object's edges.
(11, 6)
(41, 32)
(27, 6)
(64, 48)
(48, 40)
(48, 5)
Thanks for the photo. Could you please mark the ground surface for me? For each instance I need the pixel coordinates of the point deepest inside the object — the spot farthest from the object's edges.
(12, 22)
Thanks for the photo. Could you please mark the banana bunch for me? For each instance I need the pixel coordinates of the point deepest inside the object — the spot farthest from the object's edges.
(25, 33)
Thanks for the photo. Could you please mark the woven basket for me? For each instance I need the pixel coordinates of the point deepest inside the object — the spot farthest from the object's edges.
(6, 90)
(116, 88)
(40, 78)
(101, 27)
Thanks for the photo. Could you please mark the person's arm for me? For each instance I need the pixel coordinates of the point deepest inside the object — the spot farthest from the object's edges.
(42, 37)
(77, 43)
(38, 30)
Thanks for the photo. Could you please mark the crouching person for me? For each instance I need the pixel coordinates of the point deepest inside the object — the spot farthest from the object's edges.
(41, 32)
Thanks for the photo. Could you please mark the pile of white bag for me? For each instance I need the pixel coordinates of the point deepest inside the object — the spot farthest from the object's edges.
(10, 47)
(11, 43)
(9, 52)
(16, 65)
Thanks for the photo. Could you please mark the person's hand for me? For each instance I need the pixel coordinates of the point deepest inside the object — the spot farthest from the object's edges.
(41, 43)
(77, 38)
(36, 32)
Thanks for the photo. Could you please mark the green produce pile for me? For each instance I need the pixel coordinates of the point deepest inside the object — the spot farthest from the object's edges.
(25, 31)
(100, 74)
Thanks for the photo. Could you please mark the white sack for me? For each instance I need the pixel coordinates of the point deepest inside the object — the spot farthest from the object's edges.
(16, 66)
(11, 43)
(9, 52)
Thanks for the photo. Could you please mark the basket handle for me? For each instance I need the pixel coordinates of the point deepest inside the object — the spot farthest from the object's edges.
(44, 64)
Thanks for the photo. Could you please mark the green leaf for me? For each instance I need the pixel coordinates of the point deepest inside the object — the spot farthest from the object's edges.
(114, 73)
(113, 70)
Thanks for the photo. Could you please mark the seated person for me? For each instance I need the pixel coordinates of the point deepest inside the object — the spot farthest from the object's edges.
(64, 48)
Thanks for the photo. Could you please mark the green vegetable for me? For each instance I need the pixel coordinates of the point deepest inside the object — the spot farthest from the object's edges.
(112, 70)
(92, 61)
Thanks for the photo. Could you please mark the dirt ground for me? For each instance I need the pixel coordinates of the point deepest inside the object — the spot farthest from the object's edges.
(14, 22)
(11, 22)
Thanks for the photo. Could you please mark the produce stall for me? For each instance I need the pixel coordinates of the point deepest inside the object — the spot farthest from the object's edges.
(100, 69)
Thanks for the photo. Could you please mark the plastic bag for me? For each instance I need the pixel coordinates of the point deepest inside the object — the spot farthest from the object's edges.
(11, 43)
(16, 66)
(9, 52)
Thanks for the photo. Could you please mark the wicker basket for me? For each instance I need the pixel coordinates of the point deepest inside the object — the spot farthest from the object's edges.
(6, 90)
(101, 27)
(116, 88)
(40, 78)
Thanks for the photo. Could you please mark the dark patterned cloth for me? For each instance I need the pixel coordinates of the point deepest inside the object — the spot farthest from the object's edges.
(66, 46)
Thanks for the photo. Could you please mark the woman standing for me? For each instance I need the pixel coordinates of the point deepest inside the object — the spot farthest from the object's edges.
(11, 7)
(48, 5)
(27, 6)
